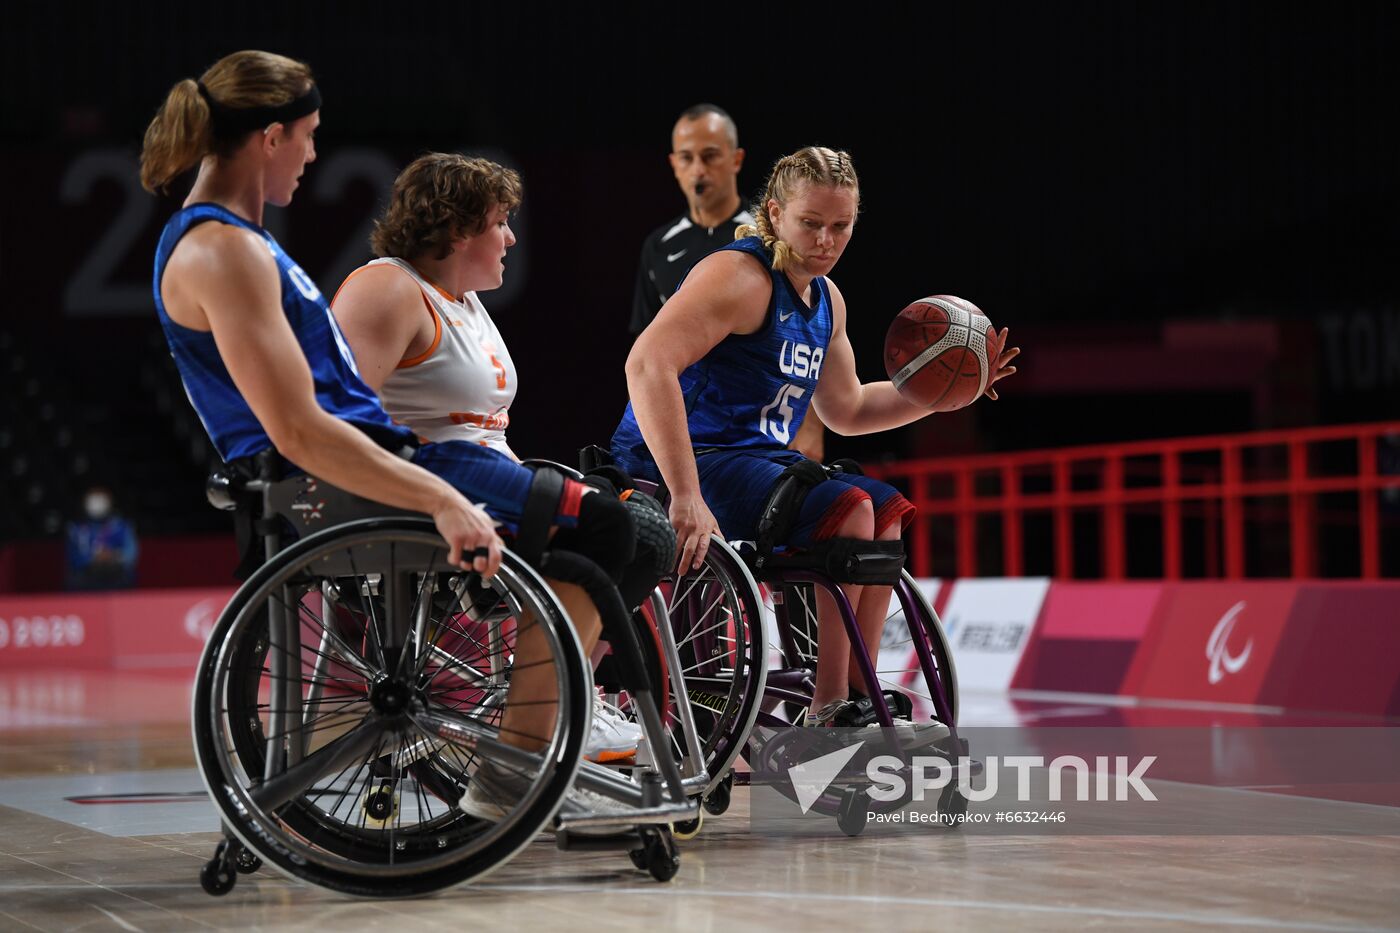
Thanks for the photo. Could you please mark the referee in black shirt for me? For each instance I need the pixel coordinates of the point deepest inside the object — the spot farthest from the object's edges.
(706, 159)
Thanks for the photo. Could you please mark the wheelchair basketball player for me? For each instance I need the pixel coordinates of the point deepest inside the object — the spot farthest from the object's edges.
(267, 368)
(721, 380)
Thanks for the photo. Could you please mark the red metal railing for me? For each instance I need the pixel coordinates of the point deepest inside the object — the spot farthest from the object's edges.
(1217, 479)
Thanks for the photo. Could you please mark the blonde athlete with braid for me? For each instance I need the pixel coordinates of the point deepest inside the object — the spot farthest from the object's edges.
(721, 380)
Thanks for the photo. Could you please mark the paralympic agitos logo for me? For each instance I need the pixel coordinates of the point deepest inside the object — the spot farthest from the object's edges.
(1222, 662)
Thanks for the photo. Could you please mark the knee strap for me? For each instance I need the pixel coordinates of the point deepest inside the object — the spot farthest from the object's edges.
(846, 560)
(541, 505)
(784, 505)
(604, 534)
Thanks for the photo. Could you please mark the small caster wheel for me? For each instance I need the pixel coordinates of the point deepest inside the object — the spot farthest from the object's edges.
(686, 830)
(216, 878)
(639, 859)
(717, 801)
(662, 859)
(246, 862)
(952, 803)
(380, 803)
(854, 812)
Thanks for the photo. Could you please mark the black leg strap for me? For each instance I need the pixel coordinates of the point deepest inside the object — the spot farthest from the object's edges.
(618, 629)
(541, 507)
(784, 505)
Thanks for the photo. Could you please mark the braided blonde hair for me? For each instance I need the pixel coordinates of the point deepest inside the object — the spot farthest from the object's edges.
(815, 165)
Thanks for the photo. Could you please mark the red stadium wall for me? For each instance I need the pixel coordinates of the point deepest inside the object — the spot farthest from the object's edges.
(1297, 646)
(139, 630)
(1291, 645)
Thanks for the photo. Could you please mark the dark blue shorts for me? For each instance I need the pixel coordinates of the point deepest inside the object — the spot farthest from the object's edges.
(485, 476)
(736, 484)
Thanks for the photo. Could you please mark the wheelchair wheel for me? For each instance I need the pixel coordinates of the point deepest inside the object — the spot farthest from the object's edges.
(898, 669)
(352, 691)
(716, 615)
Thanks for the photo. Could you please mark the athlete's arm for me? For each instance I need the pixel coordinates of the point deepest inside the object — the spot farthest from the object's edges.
(226, 278)
(726, 293)
(382, 315)
(850, 407)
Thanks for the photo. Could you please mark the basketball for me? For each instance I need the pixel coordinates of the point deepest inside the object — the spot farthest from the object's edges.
(936, 352)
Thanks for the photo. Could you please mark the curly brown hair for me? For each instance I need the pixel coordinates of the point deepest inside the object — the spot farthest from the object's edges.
(439, 197)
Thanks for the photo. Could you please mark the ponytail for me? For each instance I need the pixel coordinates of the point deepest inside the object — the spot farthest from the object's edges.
(182, 132)
(178, 138)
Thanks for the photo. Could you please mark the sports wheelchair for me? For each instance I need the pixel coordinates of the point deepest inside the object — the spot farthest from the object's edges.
(746, 626)
(356, 684)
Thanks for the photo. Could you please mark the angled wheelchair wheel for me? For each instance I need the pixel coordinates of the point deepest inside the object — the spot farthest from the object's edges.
(716, 616)
(352, 694)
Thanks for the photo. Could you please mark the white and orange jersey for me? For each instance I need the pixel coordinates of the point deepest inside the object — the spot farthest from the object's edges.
(461, 387)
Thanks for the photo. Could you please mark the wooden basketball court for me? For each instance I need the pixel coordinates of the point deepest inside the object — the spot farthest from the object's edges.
(105, 826)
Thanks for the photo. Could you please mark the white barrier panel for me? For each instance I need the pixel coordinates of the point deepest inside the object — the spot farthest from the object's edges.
(989, 622)
(895, 637)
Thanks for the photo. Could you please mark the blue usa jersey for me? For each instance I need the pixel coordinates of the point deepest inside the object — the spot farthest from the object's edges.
(229, 421)
(751, 391)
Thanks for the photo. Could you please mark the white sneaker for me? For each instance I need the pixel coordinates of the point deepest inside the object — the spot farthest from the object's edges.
(612, 736)
(855, 715)
(493, 792)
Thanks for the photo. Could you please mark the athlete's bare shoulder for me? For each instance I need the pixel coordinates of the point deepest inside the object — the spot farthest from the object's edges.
(221, 248)
(384, 283)
(211, 261)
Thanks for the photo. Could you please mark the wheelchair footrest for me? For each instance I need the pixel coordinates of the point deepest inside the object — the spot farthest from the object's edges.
(633, 816)
(625, 839)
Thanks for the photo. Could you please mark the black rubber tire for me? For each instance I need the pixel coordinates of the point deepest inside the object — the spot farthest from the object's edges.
(216, 879)
(952, 802)
(853, 814)
(298, 813)
(717, 801)
(663, 861)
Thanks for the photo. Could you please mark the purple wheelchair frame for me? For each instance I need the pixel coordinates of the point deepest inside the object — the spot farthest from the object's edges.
(793, 684)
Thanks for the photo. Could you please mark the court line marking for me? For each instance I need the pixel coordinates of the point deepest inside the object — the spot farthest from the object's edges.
(876, 900)
(117, 920)
(94, 884)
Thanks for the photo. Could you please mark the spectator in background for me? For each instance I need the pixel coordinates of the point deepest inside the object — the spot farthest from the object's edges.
(706, 159)
(101, 546)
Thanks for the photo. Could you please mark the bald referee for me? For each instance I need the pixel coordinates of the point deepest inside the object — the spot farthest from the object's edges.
(706, 159)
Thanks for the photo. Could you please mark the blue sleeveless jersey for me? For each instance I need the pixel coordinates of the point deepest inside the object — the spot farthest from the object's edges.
(229, 421)
(751, 391)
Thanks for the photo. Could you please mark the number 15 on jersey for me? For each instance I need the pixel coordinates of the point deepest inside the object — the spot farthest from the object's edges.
(775, 418)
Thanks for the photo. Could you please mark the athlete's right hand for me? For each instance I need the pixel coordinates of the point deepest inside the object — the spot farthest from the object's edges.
(694, 524)
(472, 541)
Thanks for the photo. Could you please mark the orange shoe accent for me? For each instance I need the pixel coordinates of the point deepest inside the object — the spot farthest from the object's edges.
(606, 757)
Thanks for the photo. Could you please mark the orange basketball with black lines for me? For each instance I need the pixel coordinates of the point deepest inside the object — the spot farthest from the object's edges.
(936, 352)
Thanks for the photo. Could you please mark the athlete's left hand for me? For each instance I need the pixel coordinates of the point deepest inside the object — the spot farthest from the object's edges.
(1002, 368)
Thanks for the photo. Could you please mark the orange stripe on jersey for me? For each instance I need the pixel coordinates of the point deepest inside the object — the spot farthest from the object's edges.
(346, 282)
(497, 422)
(437, 336)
